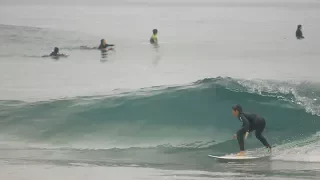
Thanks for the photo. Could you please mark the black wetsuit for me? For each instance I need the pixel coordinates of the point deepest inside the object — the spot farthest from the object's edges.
(251, 122)
(105, 46)
(299, 34)
(54, 53)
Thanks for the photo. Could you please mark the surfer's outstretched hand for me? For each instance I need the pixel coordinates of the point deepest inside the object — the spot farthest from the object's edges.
(246, 135)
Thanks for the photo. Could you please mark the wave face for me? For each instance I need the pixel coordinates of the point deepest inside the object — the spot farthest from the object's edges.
(193, 116)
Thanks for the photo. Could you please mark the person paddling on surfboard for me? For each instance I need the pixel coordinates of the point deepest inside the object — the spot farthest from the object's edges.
(250, 122)
(55, 53)
(103, 45)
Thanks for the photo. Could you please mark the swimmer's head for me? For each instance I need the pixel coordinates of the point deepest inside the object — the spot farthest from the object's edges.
(103, 41)
(155, 31)
(56, 50)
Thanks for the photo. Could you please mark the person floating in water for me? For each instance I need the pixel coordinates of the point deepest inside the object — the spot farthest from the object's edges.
(299, 34)
(154, 37)
(250, 122)
(103, 45)
(55, 53)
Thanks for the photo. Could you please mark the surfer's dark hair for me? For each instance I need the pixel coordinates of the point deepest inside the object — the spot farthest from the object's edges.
(237, 108)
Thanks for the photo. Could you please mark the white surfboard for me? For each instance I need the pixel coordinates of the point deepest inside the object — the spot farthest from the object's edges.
(237, 158)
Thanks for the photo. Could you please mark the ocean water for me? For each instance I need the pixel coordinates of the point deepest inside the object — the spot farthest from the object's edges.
(145, 113)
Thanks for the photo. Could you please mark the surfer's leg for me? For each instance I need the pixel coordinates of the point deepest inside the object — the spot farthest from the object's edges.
(259, 129)
(240, 137)
(262, 139)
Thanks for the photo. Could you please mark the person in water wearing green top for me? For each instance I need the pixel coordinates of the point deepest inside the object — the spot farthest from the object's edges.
(154, 37)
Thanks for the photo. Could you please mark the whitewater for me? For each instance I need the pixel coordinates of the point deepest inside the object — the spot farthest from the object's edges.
(141, 113)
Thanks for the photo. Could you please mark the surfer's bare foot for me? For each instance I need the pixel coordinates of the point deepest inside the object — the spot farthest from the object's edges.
(241, 153)
(269, 148)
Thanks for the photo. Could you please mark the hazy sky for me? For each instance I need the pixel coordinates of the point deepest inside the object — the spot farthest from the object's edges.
(97, 2)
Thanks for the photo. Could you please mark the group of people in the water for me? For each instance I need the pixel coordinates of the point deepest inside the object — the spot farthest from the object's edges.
(103, 46)
(153, 40)
(250, 122)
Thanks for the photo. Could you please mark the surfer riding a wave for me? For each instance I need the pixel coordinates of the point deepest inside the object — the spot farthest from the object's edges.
(250, 122)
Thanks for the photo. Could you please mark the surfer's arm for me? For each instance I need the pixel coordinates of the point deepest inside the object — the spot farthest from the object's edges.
(245, 123)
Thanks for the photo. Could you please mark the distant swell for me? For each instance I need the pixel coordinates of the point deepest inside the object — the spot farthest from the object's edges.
(194, 116)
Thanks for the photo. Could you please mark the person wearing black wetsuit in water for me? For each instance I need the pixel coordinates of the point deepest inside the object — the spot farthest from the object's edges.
(55, 52)
(250, 122)
(299, 34)
(104, 45)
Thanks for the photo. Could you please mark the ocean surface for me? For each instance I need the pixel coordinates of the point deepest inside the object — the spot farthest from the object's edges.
(145, 113)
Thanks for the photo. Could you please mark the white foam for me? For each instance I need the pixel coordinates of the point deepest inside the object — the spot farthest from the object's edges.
(306, 150)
